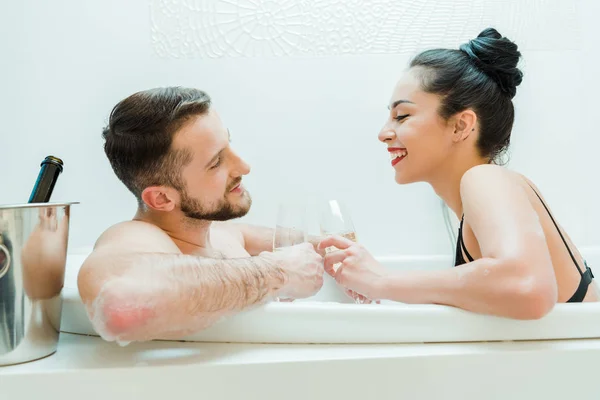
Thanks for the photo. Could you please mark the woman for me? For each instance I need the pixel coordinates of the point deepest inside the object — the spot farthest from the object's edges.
(451, 116)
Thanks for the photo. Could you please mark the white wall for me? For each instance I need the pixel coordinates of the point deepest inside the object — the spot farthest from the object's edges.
(304, 105)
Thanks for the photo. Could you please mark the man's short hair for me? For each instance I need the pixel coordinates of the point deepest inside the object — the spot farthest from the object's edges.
(139, 136)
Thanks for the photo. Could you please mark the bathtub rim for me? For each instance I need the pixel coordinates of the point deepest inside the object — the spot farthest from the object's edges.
(330, 323)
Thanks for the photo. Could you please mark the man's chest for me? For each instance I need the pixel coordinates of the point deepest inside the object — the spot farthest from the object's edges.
(224, 245)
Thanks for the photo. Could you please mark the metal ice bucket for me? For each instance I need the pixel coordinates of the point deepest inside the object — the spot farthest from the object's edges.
(33, 251)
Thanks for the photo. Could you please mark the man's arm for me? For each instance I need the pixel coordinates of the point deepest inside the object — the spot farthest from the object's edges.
(259, 238)
(256, 239)
(136, 285)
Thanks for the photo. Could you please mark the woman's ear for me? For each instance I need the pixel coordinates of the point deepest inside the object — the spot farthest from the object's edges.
(465, 123)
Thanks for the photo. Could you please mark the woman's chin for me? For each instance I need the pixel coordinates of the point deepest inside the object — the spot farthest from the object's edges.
(403, 178)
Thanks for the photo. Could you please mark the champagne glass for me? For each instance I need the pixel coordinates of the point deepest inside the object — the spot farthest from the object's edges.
(336, 220)
(291, 226)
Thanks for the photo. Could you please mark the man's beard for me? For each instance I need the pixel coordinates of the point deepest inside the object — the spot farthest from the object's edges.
(223, 211)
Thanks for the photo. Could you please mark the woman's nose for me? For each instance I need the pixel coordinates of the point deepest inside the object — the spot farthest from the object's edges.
(386, 134)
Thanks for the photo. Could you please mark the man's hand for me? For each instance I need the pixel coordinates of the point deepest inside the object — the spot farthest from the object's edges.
(314, 241)
(303, 268)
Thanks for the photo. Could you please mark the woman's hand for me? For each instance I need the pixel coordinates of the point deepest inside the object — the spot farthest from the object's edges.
(353, 267)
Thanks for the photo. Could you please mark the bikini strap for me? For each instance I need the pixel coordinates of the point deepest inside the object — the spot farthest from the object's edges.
(461, 241)
(558, 229)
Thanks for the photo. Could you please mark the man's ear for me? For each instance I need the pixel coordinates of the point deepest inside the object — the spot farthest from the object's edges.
(465, 123)
(160, 198)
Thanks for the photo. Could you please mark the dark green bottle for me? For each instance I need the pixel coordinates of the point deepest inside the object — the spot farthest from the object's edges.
(50, 169)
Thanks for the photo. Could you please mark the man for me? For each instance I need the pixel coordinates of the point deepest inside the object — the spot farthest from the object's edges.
(178, 267)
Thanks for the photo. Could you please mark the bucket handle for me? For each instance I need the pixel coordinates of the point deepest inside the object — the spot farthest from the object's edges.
(4, 259)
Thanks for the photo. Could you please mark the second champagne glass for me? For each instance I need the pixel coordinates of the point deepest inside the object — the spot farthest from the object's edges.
(335, 220)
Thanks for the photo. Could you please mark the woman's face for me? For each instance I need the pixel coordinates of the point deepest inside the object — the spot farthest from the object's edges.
(418, 139)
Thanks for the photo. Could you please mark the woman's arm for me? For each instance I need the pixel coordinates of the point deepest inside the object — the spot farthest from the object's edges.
(514, 277)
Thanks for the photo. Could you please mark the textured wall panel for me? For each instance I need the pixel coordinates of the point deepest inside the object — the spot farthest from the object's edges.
(261, 28)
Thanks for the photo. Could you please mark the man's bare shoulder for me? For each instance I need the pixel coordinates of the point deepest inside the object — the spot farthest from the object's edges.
(135, 236)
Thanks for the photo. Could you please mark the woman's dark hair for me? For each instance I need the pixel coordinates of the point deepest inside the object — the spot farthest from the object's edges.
(482, 75)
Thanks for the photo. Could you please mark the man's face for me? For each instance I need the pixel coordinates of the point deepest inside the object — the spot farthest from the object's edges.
(213, 190)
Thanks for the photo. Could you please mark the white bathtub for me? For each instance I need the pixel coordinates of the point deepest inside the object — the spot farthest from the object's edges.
(329, 317)
(88, 367)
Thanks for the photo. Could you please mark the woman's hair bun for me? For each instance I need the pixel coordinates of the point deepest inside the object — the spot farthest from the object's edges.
(497, 57)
